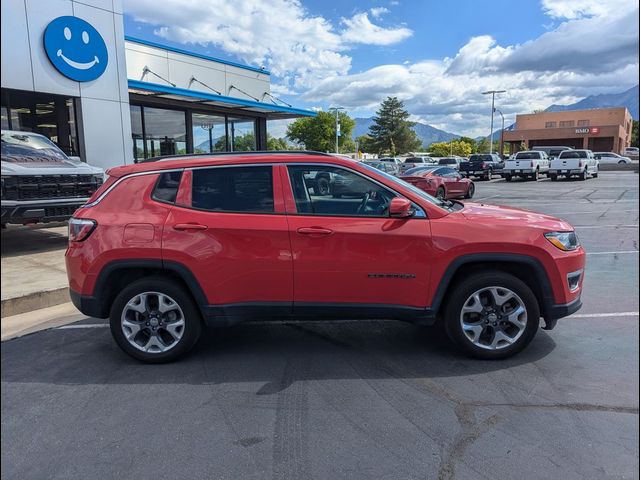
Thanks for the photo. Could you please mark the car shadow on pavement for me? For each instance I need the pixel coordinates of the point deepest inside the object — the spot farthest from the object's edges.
(272, 354)
(27, 240)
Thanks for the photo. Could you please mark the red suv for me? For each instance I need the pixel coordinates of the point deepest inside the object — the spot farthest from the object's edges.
(163, 247)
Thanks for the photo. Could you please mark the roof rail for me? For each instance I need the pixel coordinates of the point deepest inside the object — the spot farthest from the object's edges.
(222, 154)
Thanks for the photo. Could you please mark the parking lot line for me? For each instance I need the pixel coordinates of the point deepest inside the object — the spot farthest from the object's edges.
(613, 253)
(85, 325)
(607, 226)
(598, 315)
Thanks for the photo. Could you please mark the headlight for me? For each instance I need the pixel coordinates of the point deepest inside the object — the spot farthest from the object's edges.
(566, 241)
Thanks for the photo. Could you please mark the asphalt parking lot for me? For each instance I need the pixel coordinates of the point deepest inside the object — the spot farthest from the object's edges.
(352, 399)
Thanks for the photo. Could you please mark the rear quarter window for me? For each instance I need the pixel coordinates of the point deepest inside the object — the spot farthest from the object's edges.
(166, 188)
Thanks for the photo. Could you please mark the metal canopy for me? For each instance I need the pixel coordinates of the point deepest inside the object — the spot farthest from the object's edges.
(271, 110)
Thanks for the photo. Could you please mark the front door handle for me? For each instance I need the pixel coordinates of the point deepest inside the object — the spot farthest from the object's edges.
(189, 226)
(314, 231)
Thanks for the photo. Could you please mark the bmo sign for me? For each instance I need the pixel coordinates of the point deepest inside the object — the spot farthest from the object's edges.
(587, 130)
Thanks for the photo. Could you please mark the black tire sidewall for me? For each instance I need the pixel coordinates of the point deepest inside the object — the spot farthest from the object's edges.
(465, 288)
(193, 319)
(444, 193)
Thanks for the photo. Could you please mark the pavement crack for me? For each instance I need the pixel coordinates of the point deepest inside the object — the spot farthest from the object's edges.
(578, 407)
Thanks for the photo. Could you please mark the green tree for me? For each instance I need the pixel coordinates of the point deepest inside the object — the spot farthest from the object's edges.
(634, 134)
(483, 145)
(319, 133)
(472, 143)
(274, 143)
(365, 144)
(454, 147)
(391, 131)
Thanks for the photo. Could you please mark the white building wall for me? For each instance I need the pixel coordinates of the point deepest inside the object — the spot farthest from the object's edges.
(104, 121)
(178, 68)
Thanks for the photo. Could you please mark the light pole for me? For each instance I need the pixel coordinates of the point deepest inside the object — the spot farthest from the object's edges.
(493, 108)
(337, 109)
(501, 133)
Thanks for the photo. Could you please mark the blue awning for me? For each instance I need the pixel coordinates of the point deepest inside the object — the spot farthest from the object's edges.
(272, 110)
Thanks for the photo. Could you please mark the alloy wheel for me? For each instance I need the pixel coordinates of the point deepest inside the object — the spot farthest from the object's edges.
(493, 318)
(152, 322)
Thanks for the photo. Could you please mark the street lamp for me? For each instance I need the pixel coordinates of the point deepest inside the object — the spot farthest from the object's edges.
(337, 109)
(501, 133)
(493, 100)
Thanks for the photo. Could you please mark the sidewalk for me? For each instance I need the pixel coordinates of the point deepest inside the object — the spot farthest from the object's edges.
(33, 271)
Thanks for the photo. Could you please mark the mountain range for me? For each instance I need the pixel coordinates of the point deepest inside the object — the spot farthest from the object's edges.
(428, 134)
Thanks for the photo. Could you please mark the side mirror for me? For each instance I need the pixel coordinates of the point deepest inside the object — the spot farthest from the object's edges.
(400, 208)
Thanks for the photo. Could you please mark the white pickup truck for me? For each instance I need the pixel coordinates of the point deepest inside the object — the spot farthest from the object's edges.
(527, 164)
(39, 182)
(580, 163)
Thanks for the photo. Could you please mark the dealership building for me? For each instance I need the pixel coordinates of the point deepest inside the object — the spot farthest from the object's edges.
(70, 73)
(598, 129)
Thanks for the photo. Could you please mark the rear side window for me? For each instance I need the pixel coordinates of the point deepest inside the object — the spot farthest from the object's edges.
(233, 189)
(166, 188)
(573, 154)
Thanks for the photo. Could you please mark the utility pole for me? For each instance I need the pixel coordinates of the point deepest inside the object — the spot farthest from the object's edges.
(337, 109)
(501, 133)
(493, 108)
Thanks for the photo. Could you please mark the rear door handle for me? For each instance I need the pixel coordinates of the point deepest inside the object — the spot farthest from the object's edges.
(314, 231)
(189, 226)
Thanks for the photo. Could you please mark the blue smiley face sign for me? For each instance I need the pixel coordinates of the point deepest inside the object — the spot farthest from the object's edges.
(75, 49)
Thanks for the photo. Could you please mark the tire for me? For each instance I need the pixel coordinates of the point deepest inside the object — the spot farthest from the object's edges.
(488, 175)
(535, 176)
(184, 311)
(622, 162)
(507, 178)
(321, 187)
(470, 191)
(583, 175)
(512, 338)
(554, 178)
(595, 174)
(441, 193)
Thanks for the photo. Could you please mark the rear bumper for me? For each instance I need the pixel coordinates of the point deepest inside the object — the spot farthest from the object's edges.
(88, 305)
(554, 171)
(555, 312)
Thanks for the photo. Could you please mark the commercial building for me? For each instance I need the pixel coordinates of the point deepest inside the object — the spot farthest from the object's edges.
(69, 72)
(598, 129)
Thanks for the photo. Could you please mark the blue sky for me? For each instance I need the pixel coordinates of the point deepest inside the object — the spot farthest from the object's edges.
(437, 56)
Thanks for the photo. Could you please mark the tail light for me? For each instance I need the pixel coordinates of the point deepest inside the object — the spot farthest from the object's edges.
(81, 228)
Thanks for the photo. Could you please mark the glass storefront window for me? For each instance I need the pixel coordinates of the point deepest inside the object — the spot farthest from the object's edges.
(242, 134)
(165, 132)
(136, 132)
(209, 133)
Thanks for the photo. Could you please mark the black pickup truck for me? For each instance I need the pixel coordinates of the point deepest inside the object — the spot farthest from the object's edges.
(482, 165)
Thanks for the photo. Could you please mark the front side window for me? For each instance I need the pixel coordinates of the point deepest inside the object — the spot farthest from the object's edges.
(233, 189)
(332, 191)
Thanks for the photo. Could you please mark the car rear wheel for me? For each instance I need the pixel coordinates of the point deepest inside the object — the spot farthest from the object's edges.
(507, 178)
(470, 191)
(492, 315)
(489, 175)
(440, 193)
(155, 320)
(583, 175)
(553, 178)
(535, 176)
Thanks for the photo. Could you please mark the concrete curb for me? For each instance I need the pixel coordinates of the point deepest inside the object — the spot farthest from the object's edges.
(34, 301)
(43, 319)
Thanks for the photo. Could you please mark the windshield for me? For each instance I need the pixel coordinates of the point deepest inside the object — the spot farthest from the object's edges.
(416, 190)
(17, 143)
(527, 156)
(573, 154)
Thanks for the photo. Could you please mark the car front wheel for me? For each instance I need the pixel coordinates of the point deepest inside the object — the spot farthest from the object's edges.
(492, 315)
(470, 191)
(440, 193)
(155, 320)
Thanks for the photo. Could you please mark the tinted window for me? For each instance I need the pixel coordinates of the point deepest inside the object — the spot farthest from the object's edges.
(166, 187)
(573, 154)
(348, 194)
(480, 158)
(233, 189)
(528, 156)
(447, 161)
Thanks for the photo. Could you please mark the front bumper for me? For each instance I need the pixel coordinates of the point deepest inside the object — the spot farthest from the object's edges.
(555, 312)
(39, 211)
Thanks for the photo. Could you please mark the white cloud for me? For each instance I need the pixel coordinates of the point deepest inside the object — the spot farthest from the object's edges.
(359, 29)
(573, 9)
(377, 12)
